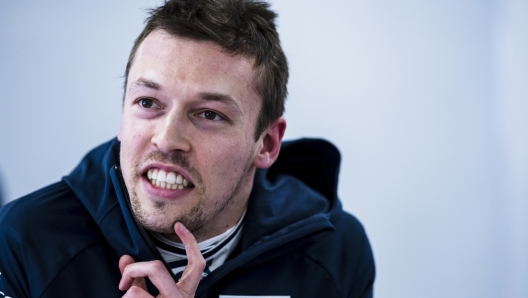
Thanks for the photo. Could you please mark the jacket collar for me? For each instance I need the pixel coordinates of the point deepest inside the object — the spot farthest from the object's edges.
(292, 200)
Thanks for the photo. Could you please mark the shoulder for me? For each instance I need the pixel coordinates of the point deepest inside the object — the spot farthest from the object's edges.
(49, 215)
(346, 255)
(32, 206)
(46, 210)
(39, 236)
(349, 230)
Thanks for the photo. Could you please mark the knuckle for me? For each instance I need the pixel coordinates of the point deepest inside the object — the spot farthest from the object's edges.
(134, 291)
(201, 263)
(157, 265)
(126, 271)
(197, 264)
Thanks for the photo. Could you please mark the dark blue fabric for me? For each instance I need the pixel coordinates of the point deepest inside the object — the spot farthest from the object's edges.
(65, 240)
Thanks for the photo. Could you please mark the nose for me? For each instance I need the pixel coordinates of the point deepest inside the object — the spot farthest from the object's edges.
(171, 134)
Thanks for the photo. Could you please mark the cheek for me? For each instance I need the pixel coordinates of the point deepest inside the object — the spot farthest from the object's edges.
(132, 140)
(131, 132)
(228, 160)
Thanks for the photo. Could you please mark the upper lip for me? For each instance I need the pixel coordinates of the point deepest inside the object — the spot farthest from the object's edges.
(166, 168)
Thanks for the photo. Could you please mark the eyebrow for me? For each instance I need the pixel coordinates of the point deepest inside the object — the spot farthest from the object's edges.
(224, 98)
(208, 96)
(145, 83)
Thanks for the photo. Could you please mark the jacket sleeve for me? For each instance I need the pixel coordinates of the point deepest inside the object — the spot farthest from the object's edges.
(365, 272)
(13, 280)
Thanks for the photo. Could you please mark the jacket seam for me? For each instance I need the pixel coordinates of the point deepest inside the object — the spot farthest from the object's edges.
(322, 267)
(100, 222)
(288, 230)
(65, 266)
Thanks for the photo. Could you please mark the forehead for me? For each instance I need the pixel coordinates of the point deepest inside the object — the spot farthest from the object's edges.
(176, 62)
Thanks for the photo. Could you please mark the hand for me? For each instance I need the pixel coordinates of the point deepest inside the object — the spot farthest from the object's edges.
(133, 274)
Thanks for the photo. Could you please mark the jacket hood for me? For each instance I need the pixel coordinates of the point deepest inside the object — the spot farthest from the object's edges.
(313, 161)
(97, 187)
(296, 196)
(299, 189)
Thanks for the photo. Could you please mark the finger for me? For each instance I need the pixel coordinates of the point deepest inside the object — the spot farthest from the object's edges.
(124, 261)
(195, 261)
(136, 292)
(155, 271)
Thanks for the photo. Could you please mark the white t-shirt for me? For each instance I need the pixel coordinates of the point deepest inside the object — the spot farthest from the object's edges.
(214, 250)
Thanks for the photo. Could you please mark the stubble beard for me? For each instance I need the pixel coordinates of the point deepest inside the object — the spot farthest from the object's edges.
(160, 220)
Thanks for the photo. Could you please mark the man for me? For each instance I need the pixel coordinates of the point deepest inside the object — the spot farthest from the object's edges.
(186, 201)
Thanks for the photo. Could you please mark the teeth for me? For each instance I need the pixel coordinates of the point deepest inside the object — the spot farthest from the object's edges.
(169, 180)
(162, 176)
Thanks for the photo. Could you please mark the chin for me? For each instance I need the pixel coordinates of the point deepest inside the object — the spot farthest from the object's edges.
(161, 217)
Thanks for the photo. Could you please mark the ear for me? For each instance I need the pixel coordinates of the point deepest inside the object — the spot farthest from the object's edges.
(270, 142)
(119, 133)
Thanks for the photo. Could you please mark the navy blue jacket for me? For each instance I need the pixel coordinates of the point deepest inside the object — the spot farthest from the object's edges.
(65, 240)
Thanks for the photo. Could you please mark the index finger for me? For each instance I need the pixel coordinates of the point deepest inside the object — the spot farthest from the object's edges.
(154, 270)
(195, 261)
(124, 261)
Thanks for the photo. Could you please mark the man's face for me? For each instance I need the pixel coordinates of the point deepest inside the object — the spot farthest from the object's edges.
(189, 118)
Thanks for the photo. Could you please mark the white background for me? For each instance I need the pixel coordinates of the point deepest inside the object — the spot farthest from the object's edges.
(427, 101)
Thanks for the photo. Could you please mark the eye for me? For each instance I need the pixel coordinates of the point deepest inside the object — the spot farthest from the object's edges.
(210, 115)
(147, 103)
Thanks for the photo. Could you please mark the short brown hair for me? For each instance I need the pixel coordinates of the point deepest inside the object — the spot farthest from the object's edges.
(241, 27)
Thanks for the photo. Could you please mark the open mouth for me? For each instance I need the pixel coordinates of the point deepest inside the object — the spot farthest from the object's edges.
(168, 180)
